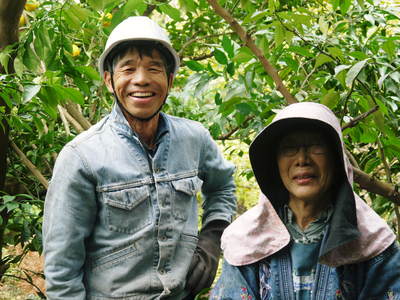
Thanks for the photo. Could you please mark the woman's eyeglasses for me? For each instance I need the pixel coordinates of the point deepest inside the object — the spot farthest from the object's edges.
(313, 148)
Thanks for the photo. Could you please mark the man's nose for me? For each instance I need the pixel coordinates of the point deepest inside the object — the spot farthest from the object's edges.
(140, 77)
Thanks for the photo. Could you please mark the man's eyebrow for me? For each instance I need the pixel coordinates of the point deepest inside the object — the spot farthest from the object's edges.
(124, 63)
(153, 62)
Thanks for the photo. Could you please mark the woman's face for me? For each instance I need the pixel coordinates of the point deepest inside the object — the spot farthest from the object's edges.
(305, 166)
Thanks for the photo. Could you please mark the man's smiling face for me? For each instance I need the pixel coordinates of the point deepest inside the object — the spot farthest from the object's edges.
(305, 165)
(140, 83)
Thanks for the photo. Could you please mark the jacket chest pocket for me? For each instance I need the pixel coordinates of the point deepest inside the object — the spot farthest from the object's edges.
(128, 210)
(184, 196)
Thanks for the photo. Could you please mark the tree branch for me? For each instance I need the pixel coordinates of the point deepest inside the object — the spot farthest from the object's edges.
(230, 133)
(248, 41)
(357, 119)
(199, 39)
(389, 179)
(74, 122)
(205, 56)
(73, 110)
(372, 185)
(64, 119)
(30, 165)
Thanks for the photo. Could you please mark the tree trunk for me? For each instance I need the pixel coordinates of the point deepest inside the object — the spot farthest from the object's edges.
(10, 13)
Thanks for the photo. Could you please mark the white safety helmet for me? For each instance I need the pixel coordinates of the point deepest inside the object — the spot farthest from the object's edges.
(138, 28)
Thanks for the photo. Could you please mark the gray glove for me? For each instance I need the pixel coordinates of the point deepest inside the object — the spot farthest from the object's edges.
(205, 260)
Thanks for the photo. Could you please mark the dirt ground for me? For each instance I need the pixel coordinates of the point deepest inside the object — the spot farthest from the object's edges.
(16, 289)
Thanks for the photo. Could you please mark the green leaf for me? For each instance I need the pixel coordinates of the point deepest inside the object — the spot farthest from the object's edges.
(130, 8)
(279, 34)
(89, 72)
(5, 56)
(190, 5)
(218, 99)
(38, 46)
(220, 57)
(194, 65)
(230, 68)
(358, 55)
(19, 66)
(172, 12)
(301, 51)
(322, 59)
(215, 130)
(341, 68)
(354, 71)
(7, 100)
(67, 93)
(8, 198)
(11, 206)
(251, 18)
(244, 55)
(331, 99)
(30, 91)
(323, 25)
(344, 6)
(273, 5)
(45, 41)
(244, 108)
(99, 4)
(228, 46)
(335, 52)
(335, 4)
(390, 48)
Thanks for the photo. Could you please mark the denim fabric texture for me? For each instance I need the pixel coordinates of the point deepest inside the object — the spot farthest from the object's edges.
(271, 279)
(122, 224)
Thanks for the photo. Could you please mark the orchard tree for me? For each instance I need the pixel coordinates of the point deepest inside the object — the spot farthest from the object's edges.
(241, 61)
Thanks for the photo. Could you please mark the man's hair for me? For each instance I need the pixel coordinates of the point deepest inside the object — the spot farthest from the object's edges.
(145, 48)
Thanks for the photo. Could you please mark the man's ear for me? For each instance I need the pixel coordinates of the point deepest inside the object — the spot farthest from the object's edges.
(170, 81)
(107, 81)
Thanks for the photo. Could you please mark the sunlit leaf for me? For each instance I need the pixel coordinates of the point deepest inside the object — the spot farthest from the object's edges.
(243, 55)
(89, 72)
(174, 13)
(354, 71)
(30, 91)
(331, 98)
(322, 59)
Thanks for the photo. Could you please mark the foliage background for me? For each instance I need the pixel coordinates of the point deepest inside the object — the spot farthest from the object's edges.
(342, 53)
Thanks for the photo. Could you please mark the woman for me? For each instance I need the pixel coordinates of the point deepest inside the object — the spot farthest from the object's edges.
(310, 236)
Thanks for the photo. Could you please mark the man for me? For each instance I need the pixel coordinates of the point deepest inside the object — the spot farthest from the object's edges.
(120, 216)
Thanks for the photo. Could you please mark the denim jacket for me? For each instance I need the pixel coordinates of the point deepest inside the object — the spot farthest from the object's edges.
(121, 224)
(375, 279)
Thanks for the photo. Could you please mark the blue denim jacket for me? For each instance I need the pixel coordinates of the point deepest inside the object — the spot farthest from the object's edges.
(121, 224)
(271, 279)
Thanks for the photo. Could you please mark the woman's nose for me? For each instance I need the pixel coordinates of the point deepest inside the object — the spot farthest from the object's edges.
(302, 155)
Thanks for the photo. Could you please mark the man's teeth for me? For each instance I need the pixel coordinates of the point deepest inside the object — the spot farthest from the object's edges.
(141, 94)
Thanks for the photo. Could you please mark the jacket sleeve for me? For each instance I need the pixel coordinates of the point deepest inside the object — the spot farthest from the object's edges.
(382, 275)
(218, 184)
(69, 215)
(237, 283)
